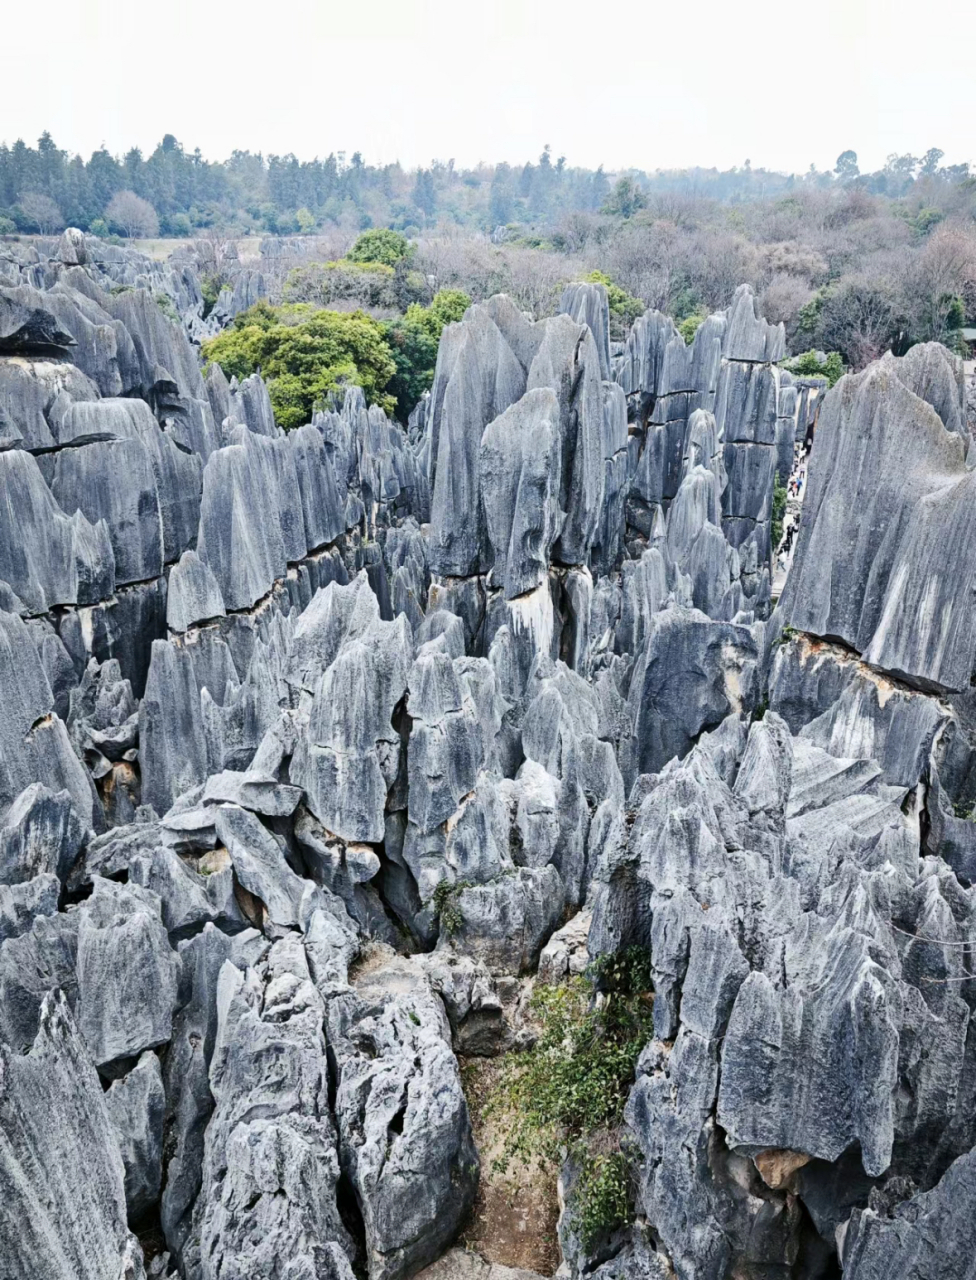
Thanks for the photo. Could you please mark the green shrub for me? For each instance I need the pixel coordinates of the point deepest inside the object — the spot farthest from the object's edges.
(447, 909)
(624, 307)
(575, 1079)
(447, 307)
(305, 355)
(165, 304)
(567, 1093)
(368, 283)
(98, 227)
(7, 226)
(413, 341)
(414, 354)
(380, 244)
(955, 309)
(690, 326)
(625, 199)
(601, 1197)
(809, 365)
(210, 287)
(926, 219)
(624, 972)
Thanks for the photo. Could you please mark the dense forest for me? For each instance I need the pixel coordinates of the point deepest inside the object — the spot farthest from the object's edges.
(43, 188)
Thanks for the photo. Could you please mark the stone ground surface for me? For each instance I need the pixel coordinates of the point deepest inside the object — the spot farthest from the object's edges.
(465, 1264)
(515, 1214)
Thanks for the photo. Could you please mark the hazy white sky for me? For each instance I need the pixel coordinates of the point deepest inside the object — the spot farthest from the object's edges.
(649, 83)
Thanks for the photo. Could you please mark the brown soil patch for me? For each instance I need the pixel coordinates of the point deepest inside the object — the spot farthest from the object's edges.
(513, 1222)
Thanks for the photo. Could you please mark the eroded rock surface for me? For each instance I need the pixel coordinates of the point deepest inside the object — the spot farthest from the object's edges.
(318, 748)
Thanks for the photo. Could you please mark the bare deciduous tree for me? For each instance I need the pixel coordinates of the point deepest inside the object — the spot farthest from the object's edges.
(135, 216)
(783, 298)
(42, 210)
(937, 279)
(859, 318)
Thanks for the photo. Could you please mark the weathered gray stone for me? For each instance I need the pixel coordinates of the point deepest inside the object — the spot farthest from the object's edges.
(348, 758)
(587, 304)
(465, 1264)
(400, 1111)
(26, 324)
(193, 595)
(924, 1237)
(478, 376)
(189, 1102)
(21, 904)
(34, 392)
(34, 744)
(40, 834)
(507, 923)
(127, 974)
(693, 672)
(46, 556)
(519, 470)
(268, 1200)
(113, 481)
(136, 1106)
(883, 532)
(63, 1210)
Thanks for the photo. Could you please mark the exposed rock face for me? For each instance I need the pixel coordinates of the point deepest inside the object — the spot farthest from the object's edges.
(929, 1235)
(270, 1164)
(315, 746)
(810, 835)
(885, 520)
(136, 1106)
(404, 1133)
(729, 371)
(520, 466)
(126, 974)
(63, 1211)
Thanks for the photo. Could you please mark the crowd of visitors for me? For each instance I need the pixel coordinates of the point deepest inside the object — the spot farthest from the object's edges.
(795, 488)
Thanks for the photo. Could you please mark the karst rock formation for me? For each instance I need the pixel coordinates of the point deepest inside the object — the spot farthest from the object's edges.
(269, 701)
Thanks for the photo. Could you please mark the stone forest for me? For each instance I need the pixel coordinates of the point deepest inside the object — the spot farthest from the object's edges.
(537, 837)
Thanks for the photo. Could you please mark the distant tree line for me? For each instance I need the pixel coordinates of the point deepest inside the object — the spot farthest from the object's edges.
(43, 189)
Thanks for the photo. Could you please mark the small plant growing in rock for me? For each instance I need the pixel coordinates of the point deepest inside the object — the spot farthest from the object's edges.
(602, 1196)
(565, 1096)
(165, 304)
(447, 909)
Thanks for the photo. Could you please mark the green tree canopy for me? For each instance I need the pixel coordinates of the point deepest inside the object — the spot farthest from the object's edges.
(625, 199)
(304, 355)
(413, 341)
(846, 166)
(380, 245)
